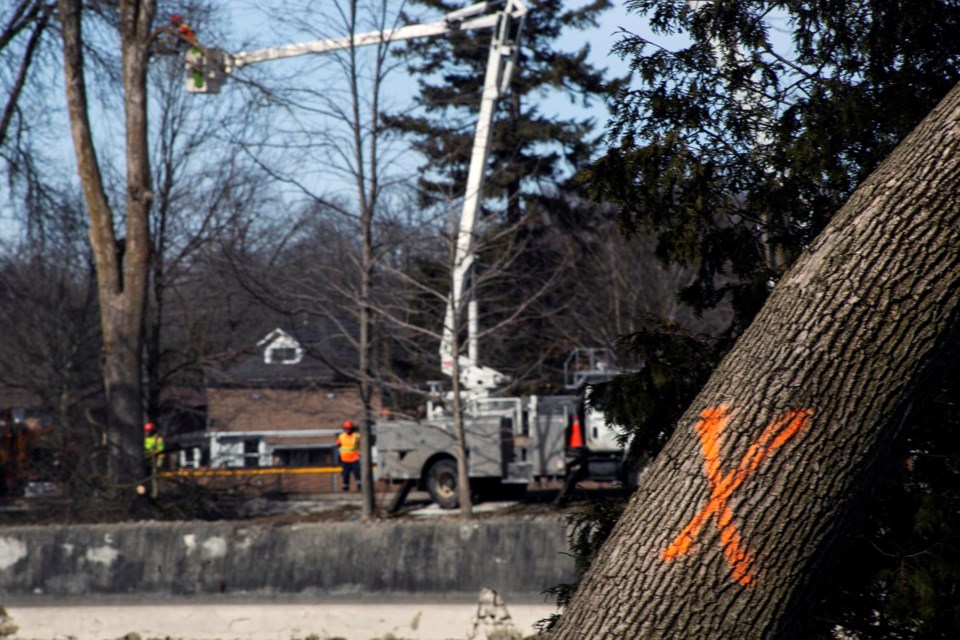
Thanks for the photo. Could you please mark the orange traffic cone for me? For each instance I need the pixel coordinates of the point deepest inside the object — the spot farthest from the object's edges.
(576, 434)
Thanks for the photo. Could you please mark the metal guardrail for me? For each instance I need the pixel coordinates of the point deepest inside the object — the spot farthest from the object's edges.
(254, 471)
(258, 471)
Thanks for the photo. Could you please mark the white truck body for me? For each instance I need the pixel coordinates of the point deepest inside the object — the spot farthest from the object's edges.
(510, 443)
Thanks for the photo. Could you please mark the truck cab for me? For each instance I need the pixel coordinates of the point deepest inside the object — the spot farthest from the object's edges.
(593, 451)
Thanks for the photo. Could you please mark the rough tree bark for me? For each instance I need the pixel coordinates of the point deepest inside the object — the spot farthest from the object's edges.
(121, 263)
(733, 523)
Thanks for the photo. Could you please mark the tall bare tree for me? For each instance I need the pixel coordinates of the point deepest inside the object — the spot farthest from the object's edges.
(121, 257)
(730, 526)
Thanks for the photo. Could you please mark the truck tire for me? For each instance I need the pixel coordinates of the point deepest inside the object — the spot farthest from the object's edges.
(442, 483)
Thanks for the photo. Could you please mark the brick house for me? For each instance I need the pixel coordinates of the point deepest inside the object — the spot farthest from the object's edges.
(272, 416)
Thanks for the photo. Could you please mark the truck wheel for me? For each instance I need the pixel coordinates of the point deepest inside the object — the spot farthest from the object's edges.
(442, 483)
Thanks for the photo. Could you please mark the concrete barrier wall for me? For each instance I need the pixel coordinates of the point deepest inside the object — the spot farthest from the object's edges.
(437, 559)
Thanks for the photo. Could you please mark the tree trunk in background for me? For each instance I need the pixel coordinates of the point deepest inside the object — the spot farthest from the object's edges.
(733, 522)
(365, 365)
(464, 497)
(121, 263)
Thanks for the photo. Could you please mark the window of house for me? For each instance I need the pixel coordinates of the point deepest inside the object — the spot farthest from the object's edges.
(279, 347)
(251, 453)
(304, 457)
(237, 452)
(283, 352)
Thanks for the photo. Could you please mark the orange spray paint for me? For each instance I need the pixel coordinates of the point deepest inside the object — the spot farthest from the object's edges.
(713, 421)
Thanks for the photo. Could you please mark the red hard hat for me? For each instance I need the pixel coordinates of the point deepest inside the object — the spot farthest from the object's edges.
(147, 428)
(348, 425)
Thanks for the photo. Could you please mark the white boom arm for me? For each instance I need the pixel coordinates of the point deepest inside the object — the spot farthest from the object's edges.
(206, 70)
(476, 379)
(463, 20)
(207, 67)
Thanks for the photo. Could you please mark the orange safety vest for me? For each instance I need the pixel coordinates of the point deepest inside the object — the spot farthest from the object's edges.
(349, 444)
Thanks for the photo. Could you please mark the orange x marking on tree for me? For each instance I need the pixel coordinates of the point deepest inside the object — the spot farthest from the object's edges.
(713, 421)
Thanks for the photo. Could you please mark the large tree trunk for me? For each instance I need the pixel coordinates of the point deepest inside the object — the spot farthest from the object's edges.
(121, 264)
(734, 521)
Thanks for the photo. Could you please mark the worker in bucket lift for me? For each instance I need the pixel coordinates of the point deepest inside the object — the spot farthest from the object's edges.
(349, 444)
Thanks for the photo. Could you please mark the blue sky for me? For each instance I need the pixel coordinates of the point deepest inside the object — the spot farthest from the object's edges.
(251, 27)
(248, 24)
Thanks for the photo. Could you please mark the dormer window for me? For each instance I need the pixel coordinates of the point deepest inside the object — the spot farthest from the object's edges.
(283, 355)
(279, 347)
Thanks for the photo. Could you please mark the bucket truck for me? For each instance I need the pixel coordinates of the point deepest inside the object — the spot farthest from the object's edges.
(509, 440)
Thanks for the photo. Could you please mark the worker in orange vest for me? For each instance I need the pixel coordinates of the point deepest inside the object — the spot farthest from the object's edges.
(349, 443)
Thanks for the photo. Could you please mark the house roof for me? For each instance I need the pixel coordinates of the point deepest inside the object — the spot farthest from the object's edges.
(292, 357)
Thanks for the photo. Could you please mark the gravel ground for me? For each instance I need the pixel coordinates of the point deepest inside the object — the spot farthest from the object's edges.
(268, 621)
